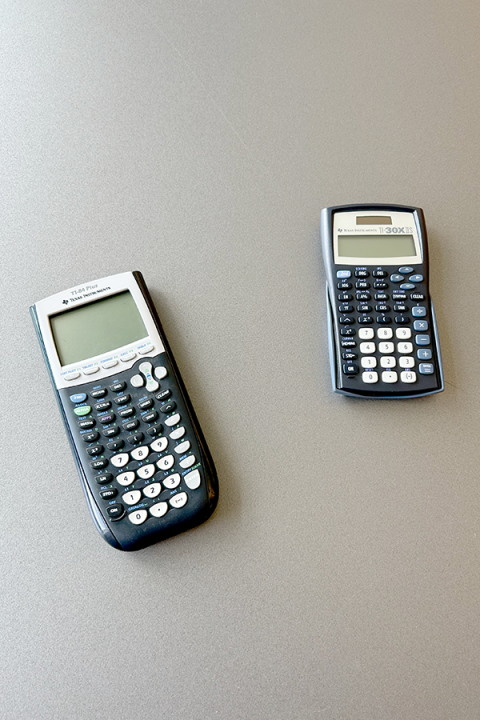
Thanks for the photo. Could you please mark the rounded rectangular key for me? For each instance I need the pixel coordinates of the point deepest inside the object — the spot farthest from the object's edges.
(138, 517)
(419, 311)
(370, 377)
(426, 369)
(152, 490)
(389, 376)
(386, 347)
(422, 339)
(366, 334)
(407, 361)
(403, 333)
(404, 348)
(388, 361)
(408, 376)
(367, 348)
(368, 362)
(384, 333)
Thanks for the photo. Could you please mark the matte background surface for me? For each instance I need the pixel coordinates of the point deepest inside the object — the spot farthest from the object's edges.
(339, 578)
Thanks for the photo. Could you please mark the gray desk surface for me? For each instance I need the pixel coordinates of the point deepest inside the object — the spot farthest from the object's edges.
(197, 142)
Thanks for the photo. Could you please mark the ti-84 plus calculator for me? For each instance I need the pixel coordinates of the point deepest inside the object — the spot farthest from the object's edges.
(383, 338)
(143, 462)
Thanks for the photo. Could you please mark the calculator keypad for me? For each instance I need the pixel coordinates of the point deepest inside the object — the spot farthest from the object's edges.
(386, 332)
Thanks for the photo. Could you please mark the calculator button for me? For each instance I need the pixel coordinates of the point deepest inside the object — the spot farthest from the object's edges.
(362, 273)
(422, 339)
(168, 407)
(420, 325)
(366, 333)
(380, 273)
(402, 319)
(367, 348)
(419, 311)
(363, 296)
(145, 404)
(388, 361)
(346, 320)
(364, 308)
(146, 370)
(408, 376)
(136, 438)
(382, 308)
(347, 331)
(400, 308)
(91, 370)
(417, 296)
(127, 412)
(348, 369)
(106, 364)
(140, 453)
(127, 356)
(130, 425)
(154, 430)
(90, 437)
(119, 460)
(179, 500)
(384, 320)
(159, 445)
(125, 479)
(164, 395)
(145, 349)
(381, 296)
(86, 424)
(343, 274)
(426, 369)
(96, 394)
(406, 361)
(368, 362)
(344, 308)
(99, 464)
(150, 417)
(159, 509)
(146, 471)
(403, 333)
(160, 372)
(106, 419)
(416, 278)
(104, 478)
(399, 296)
(152, 490)
(425, 354)
(370, 377)
(384, 333)
(115, 512)
(166, 462)
(132, 497)
(396, 278)
(78, 397)
(344, 297)
(108, 494)
(122, 399)
(362, 285)
(389, 376)
(105, 405)
(380, 285)
(83, 410)
(407, 286)
(138, 517)
(180, 432)
(386, 347)
(175, 419)
(72, 375)
(365, 320)
(137, 381)
(115, 445)
(345, 356)
(405, 348)
(95, 450)
(172, 481)
(188, 462)
(405, 269)
(118, 386)
(111, 431)
(348, 343)
(344, 285)
(193, 479)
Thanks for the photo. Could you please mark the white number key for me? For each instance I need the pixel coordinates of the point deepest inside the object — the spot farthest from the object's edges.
(159, 445)
(366, 334)
(138, 517)
(140, 453)
(368, 362)
(403, 333)
(166, 462)
(388, 361)
(370, 377)
(408, 376)
(132, 497)
(172, 481)
(146, 471)
(386, 347)
(405, 348)
(406, 362)
(367, 348)
(119, 460)
(389, 377)
(152, 490)
(384, 333)
(125, 479)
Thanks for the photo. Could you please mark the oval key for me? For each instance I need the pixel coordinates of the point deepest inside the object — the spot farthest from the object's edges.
(178, 501)
(138, 517)
(152, 490)
(132, 497)
(159, 445)
(166, 462)
(146, 471)
(140, 453)
(159, 509)
(125, 479)
(119, 460)
(172, 481)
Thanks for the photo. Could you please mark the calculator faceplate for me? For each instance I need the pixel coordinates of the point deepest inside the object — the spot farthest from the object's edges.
(383, 339)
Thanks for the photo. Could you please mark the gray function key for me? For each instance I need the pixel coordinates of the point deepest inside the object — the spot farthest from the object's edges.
(420, 325)
(416, 278)
(396, 278)
(426, 369)
(407, 286)
(419, 311)
(422, 339)
(405, 269)
(424, 354)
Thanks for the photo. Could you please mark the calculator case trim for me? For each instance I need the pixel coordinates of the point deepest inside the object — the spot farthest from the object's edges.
(206, 460)
(326, 228)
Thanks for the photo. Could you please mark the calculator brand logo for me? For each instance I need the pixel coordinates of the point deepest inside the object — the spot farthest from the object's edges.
(65, 302)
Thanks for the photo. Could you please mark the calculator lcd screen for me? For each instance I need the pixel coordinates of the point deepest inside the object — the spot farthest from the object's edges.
(96, 328)
(376, 246)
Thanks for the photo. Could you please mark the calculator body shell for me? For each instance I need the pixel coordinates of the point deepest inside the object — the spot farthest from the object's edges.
(338, 224)
(116, 367)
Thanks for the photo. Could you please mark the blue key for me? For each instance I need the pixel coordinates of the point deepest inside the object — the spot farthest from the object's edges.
(424, 354)
(422, 339)
(420, 325)
(416, 278)
(425, 369)
(407, 286)
(343, 274)
(405, 270)
(396, 278)
(78, 397)
(419, 311)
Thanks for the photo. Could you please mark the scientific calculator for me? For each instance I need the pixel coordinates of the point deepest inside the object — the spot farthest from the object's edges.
(142, 459)
(383, 339)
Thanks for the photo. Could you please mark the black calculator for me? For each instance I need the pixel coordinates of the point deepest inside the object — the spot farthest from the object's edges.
(144, 465)
(383, 339)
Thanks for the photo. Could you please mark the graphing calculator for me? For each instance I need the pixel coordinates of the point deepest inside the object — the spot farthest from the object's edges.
(143, 462)
(383, 339)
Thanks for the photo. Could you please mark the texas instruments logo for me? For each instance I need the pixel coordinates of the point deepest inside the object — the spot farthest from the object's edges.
(65, 302)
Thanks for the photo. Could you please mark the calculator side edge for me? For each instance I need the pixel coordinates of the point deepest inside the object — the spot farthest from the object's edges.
(212, 479)
(95, 514)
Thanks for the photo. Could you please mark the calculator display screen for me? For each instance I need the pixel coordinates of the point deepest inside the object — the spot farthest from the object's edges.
(376, 246)
(98, 327)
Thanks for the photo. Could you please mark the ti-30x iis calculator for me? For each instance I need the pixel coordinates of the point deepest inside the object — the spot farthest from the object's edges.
(143, 463)
(383, 338)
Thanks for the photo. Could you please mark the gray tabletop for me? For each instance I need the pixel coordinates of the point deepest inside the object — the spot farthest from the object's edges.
(197, 142)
